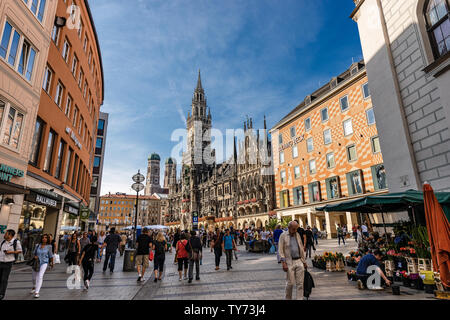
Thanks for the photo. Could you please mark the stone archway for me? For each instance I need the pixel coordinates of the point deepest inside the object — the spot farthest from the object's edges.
(259, 223)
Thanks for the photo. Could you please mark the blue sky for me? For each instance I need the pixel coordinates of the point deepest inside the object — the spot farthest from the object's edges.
(256, 57)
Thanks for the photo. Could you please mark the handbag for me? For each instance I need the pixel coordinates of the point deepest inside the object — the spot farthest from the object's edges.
(56, 258)
(151, 255)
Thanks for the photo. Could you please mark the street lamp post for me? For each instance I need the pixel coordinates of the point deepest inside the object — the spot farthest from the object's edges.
(138, 187)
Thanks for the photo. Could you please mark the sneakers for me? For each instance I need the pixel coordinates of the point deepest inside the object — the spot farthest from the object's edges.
(360, 284)
(185, 278)
(139, 279)
(142, 279)
(33, 291)
(180, 279)
(156, 280)
(190, 281)
(197, 278)
(86, 284)
(36, 295)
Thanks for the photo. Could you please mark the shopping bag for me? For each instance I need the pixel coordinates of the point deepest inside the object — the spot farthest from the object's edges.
(56, 258)
(150, 257)
(272, 249)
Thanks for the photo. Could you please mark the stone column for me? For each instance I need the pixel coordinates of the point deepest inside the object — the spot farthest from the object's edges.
(349, 222)
(328, 222)
(318, 224)
(309, 220)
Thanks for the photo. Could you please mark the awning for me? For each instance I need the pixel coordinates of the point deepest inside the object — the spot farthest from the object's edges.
(390, 202)
(12, 188)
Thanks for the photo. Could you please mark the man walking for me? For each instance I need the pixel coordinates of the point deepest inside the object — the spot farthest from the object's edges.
(143, 242)
(340, 233)
(195, 248)
(276, 238)
(309, 241)
(228, 245)
(216, 244)
(111, 243)
(84, 241)
(9, 248)
(293, 260)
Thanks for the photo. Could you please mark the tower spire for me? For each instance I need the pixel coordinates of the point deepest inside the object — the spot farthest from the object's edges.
(199, 82)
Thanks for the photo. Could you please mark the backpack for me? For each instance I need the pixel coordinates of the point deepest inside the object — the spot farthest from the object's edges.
(16, 255)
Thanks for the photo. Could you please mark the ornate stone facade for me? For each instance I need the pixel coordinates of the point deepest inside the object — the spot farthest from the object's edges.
(239, 192)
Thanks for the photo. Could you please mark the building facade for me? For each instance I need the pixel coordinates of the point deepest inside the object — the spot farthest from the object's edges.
(60, 165)
(237, 193)
(97, 170)
(327, 150)
(406, 46)
(25, 30)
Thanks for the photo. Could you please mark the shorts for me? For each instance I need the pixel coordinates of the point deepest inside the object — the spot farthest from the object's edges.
(142, 260)
(180, 263)
(158, 263)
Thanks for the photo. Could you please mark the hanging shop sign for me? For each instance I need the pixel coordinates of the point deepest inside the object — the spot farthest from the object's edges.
(7, 173)
(84, 213)
(73, 136)
(292, 143)
(41, 199)
(69, 209)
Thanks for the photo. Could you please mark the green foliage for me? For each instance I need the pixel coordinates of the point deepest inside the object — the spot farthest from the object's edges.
(273, 222)
(285, 221)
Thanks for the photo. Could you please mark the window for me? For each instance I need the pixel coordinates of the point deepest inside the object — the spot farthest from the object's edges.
(284, 199)
(36, 142)
(348, 127)
(280, 138)
(55, 34)
(333, 188)
(34, 5)
(308, 124)
(351, 153)
(309, 144)
(365, 90)
(283, 176)
(13, 126)
(80, 29)
(437, 15)
(375, 144)
(49, 152)
(75, 116)
(66, 51)
(90, 57)
(298, 195)
(330, 161)
(66, 168)
(297, 172)
(99, 143)
(355, 182)
(370, 116)
(312, 166)
(324, 114)
(344, 103)
(9, 48)
(62, 147)
(96, 162)
(292, 131)
(47, 80)
(327, 136)
(80, 78)
(379, 177)
(294, 151)
(68, 106)
(59, 94)
(282, 157)
(314, 192)
(74, 65)
(85, 89)
(85, 43)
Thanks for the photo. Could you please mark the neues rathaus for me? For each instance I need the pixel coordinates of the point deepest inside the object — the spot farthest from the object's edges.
(239, 192)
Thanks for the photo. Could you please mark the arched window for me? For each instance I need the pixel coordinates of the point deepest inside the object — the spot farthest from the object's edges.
(437, 14)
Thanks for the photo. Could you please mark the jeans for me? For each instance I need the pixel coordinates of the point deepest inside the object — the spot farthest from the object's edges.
(276, 248)
(5, 270)
(316, 236)
(308, 250)
(38, 277)
(191, 269)
(339, 239)
(217, 254)
(229, 256)
(111, 255)
(88, 268)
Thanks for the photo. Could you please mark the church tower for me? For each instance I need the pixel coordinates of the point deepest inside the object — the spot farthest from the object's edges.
(169, 172)
(153, 175)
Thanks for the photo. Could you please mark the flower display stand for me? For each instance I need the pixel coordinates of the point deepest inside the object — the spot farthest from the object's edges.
(389, 267)
(331, 266)
(412, 265)
(340, 265)
(424, 264)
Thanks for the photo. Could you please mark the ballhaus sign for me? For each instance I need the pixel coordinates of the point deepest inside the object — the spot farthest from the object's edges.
(7, 173)
(291, 143)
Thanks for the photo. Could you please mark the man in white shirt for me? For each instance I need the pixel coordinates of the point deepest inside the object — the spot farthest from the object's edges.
(9, 248)
(264, 238)
(364, 230)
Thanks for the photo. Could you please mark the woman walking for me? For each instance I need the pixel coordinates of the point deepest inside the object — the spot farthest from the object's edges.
(182, 256)
(87, 260)
(160, 247)
(73, 250)
(43, 253)
(101, 240)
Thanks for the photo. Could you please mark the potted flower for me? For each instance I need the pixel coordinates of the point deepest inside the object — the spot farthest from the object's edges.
(405, 279)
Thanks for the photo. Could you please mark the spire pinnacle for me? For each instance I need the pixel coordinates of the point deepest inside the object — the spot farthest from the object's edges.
(199, 82)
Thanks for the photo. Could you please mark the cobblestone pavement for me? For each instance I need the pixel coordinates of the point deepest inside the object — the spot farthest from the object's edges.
(254, 276)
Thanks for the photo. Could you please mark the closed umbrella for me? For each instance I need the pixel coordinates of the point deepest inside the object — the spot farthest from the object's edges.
(439, 234)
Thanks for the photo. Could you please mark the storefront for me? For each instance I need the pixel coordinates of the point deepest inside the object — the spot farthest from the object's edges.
(39, 216)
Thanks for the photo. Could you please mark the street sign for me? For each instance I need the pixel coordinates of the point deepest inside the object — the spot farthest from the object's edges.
(195, 220)
(137, 187)
(138, 178)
